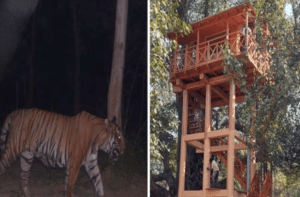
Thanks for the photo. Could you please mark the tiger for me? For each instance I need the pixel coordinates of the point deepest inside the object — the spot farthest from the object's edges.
(59, 141)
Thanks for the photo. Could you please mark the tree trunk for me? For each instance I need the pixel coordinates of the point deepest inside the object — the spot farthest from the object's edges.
(77, 59)
(206, 9)
(295, 17)
(114, 100)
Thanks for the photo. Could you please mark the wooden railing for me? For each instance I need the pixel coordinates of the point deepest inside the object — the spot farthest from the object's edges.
(212, 50)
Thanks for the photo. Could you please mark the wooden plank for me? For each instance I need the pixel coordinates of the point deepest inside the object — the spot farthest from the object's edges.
(195, 136)
(216, 192)
(218, 80)
(218, 133)
(212, 81)
(196, 144)
(220, 92)
(195, 85)
(192, 193)
(240, 147)
(222, 102)
(223, 148)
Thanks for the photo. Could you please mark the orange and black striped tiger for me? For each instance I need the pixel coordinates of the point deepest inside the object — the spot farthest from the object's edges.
(59, 141)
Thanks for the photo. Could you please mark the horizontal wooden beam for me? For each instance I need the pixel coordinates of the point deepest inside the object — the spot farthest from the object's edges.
(209, 192)
(212, 134)
(218, 80)
(220, 103)
(223, 148)
(196, 144)
(196, 85)
(191, 193)
(212, 81)
(193, 137)
(218, 133)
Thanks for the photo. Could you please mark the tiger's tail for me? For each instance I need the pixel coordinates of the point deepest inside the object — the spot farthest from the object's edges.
(8, 154)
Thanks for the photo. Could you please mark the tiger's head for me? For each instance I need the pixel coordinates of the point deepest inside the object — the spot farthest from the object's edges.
(118, 143)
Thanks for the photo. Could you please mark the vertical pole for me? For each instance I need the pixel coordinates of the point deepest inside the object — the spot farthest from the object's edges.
(248, 169)
(197, 48)
(230, 153)
(206, 173)
(183, 143)
(252, 154)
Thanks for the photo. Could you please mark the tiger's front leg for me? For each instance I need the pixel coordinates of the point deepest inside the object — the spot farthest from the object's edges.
(93, 172)
(26, 159)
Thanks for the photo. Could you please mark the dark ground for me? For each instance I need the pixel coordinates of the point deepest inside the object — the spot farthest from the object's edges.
(48, 182)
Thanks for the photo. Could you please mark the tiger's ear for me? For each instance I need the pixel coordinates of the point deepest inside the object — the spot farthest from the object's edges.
(106, 122)
(114, 119)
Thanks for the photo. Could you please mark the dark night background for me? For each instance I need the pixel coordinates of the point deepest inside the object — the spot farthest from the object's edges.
(53, 57)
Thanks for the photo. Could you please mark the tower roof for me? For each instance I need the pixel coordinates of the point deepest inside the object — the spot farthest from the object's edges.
(216, 23)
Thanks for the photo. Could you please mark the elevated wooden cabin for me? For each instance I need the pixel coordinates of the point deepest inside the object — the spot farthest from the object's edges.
(196, 73)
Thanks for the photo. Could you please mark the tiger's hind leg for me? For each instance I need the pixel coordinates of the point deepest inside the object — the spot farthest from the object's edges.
(93, 171)
(26, 159)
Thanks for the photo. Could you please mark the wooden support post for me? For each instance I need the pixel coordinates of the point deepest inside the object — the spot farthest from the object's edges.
(183, 143)
(175, 58)
(230, 153)
(197, 47)
(206, 173)
(227, 32)
(186, 57)
(246, 30)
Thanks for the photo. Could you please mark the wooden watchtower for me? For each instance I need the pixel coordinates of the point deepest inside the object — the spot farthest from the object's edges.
(196, 73)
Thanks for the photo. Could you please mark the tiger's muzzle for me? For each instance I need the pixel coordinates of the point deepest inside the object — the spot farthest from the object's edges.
(115, 153)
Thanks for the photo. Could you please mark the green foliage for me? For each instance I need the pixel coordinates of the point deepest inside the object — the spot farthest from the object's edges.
(275, 96)
(163, 19)
(163, 136)
(286, 184)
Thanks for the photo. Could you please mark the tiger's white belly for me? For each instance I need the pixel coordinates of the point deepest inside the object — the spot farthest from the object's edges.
(51, 160)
